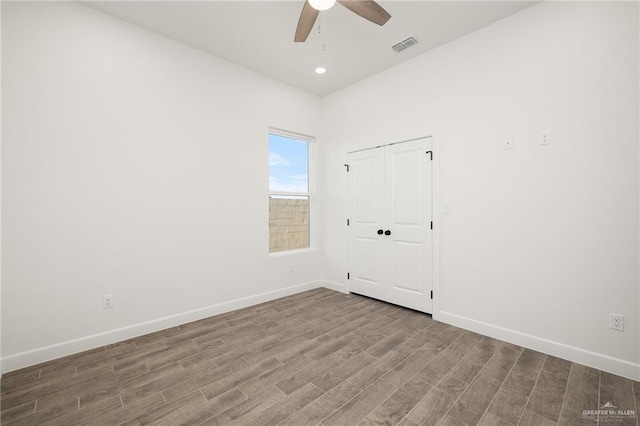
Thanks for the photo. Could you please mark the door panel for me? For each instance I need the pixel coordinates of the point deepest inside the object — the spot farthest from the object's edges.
(366, 171)
(405, 174)
(406, 265)
(366, 251)
(366, 270)
(390, 189)
(408, 209)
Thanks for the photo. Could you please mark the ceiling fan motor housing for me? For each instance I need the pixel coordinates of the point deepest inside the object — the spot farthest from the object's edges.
(322, 4)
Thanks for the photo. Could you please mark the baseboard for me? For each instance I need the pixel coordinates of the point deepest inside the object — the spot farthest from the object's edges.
(48, 353)
(332, 285)
(602, 362)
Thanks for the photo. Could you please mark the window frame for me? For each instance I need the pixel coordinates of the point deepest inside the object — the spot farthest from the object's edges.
(311, 181)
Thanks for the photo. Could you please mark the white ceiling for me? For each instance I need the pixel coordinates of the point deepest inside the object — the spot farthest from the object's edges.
(259, 34)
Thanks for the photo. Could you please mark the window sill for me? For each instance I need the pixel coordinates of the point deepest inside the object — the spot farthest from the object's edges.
(292, 252)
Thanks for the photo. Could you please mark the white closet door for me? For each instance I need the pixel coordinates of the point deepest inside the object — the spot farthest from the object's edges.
(390, 247)
(408, 187)
(366, 247)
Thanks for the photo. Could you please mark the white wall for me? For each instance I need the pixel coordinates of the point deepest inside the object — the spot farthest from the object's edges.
(119, 145)
(542, 242)
(134, 166)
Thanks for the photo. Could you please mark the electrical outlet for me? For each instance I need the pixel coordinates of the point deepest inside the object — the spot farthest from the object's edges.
(508, 143)
(292, 267)
(545, 138)
(616, 322)
(107, 301)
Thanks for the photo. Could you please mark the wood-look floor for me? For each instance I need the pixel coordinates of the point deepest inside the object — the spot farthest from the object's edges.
(318, 357)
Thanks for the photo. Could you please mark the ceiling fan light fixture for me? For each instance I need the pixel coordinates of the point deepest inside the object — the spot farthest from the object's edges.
(322, 4)
(321, 70)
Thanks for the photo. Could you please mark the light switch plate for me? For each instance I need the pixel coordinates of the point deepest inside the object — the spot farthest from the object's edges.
(545, 138)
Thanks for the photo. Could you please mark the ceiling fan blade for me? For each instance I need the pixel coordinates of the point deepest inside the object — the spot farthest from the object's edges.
(368, 9)
(305, 23)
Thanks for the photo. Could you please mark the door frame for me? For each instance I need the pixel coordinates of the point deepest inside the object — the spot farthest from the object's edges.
(436, 214)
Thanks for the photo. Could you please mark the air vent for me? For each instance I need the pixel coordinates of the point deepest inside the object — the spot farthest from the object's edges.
(404, 44)
(398, 47)
(410, 42)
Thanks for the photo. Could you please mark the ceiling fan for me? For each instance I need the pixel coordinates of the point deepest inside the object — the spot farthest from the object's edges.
(368, 9)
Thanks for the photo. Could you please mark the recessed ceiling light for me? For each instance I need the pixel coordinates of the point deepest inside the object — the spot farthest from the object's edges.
(321, 70)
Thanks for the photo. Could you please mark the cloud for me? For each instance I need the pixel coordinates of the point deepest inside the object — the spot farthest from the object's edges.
(303, 177)
(295, 183)
(277, 160)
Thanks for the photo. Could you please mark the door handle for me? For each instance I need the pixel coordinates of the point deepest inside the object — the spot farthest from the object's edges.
(387, 232)
(379, 231)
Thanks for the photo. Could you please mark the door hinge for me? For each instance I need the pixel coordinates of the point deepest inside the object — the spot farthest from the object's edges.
(432, 294)
(432, 225)
(348, 275)
(347, 166)
(430, 155)
(347, 222)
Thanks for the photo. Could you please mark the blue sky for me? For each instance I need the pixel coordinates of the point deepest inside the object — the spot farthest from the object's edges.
(288, 164)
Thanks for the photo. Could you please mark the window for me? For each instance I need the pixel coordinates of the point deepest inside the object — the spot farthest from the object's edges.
(289, 192)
